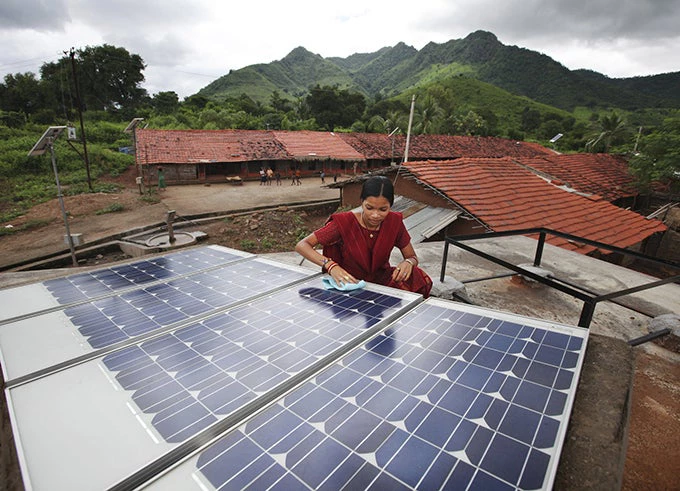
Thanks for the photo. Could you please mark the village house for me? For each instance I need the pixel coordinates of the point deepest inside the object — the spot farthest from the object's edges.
(192, 156)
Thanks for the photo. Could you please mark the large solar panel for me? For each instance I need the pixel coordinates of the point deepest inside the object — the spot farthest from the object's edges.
(448, 397)
(77, 330)
(83, 286)
(118, 412)
(235, 372)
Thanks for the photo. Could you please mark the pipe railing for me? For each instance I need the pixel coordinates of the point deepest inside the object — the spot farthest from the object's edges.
(589, 299)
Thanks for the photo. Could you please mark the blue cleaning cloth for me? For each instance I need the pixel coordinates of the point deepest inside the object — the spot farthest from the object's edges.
(329, 283)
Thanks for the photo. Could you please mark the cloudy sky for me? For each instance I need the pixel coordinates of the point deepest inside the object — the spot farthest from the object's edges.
(186, 44)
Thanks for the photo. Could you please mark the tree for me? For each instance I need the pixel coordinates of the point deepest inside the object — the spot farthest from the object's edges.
(387, 124)
(278, 103)
(609, 130)
(470, 124)
(333, 107)
(428, 116)
(21, 93)
(165, 102)
(531, 119)
(659, 157)
(109, 78)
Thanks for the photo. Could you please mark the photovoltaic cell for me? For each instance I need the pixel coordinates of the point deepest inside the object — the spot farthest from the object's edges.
(190, 378)
(32, 299)
(448, 397)
(113, 319)
(92, 284)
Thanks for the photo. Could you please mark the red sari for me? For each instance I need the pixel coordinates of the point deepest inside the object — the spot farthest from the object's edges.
(365, 254)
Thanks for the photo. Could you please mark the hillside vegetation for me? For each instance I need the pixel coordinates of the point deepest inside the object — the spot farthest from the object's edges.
(480, 55)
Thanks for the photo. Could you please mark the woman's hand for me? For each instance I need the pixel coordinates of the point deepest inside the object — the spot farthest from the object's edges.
(403, 271)
(341, 276)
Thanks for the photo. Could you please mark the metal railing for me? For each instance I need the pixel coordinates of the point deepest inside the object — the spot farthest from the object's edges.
(589, 299)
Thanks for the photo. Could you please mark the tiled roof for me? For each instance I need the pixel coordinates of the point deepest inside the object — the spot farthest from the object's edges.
(195, 146)
(506, 196)
(379, 146)
(602, 174)
(305, 145)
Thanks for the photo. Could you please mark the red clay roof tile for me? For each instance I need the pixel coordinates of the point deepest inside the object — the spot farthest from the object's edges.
(379, 146)
(506, 196)
(602, 174)
(306, 145)
(195, 146)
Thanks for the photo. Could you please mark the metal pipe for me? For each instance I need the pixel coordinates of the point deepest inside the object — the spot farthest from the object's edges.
(61, 204)
(649, 337)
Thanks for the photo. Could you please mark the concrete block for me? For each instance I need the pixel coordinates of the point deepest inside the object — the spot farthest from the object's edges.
(447, 288)
(76, 238)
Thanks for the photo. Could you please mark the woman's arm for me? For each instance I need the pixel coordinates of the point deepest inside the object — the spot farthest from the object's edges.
(404, 269)
(306, 249)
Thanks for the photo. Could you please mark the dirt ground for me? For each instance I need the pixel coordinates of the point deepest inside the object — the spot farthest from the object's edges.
(653, 451)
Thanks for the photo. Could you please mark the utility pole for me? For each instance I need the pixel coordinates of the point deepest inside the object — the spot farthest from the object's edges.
(637, 140)
(72, 54)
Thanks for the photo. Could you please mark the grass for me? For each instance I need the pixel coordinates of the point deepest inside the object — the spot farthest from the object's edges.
(112, 208)
(31, 224)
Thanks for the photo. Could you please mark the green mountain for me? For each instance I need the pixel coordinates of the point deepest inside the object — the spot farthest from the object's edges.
(393, 70)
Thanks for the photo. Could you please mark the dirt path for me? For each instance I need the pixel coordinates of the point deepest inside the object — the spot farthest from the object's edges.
(46, 232)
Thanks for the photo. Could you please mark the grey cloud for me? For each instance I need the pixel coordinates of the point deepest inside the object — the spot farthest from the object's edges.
(137, 16)
(34, 14)
(168, 50)
(595, 20)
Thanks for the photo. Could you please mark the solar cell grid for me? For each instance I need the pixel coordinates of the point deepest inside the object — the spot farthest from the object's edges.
(83, 286)
(114, 319)
(188, 379)
(445, 398)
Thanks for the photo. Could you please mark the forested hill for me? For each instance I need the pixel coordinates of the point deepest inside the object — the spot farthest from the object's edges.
(392, 70)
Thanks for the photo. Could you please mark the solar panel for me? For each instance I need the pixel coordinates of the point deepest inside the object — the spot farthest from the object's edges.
(448, 397)
(79, 287)
(138, 403)
(56, 337)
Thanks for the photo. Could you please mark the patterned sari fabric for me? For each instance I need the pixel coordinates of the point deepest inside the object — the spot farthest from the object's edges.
(365, 254)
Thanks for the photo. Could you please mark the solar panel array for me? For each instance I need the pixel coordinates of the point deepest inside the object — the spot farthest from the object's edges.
(233, 372)
(447, 398)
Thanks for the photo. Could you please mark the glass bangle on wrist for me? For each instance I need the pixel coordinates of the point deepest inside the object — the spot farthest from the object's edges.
(412, 261)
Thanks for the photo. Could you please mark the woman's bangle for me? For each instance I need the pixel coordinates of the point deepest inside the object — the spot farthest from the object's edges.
(413, 261)
(330, 268)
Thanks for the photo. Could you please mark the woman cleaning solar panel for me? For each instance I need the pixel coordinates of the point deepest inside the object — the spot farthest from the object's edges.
(357, 245)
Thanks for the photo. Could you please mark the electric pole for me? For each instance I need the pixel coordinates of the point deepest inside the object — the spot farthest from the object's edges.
(72, 54)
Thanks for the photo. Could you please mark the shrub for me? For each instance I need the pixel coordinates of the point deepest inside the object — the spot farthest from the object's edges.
(112, 208)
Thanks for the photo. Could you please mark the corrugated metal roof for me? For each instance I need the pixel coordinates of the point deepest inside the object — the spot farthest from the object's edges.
(422, 221)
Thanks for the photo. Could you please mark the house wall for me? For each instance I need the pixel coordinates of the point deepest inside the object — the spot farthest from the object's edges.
(173, 173)
(219, 171)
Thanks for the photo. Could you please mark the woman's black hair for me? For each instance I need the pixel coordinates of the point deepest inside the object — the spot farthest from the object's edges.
(377, 186)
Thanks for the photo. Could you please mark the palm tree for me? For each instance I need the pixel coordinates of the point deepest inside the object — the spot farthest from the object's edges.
(428, 115)
(610, 128)
(386, 124)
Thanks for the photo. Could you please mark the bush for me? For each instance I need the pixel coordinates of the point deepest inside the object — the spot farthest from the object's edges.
(112, 208)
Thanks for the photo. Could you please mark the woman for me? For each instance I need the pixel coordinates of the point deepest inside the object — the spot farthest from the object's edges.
(357, 245)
